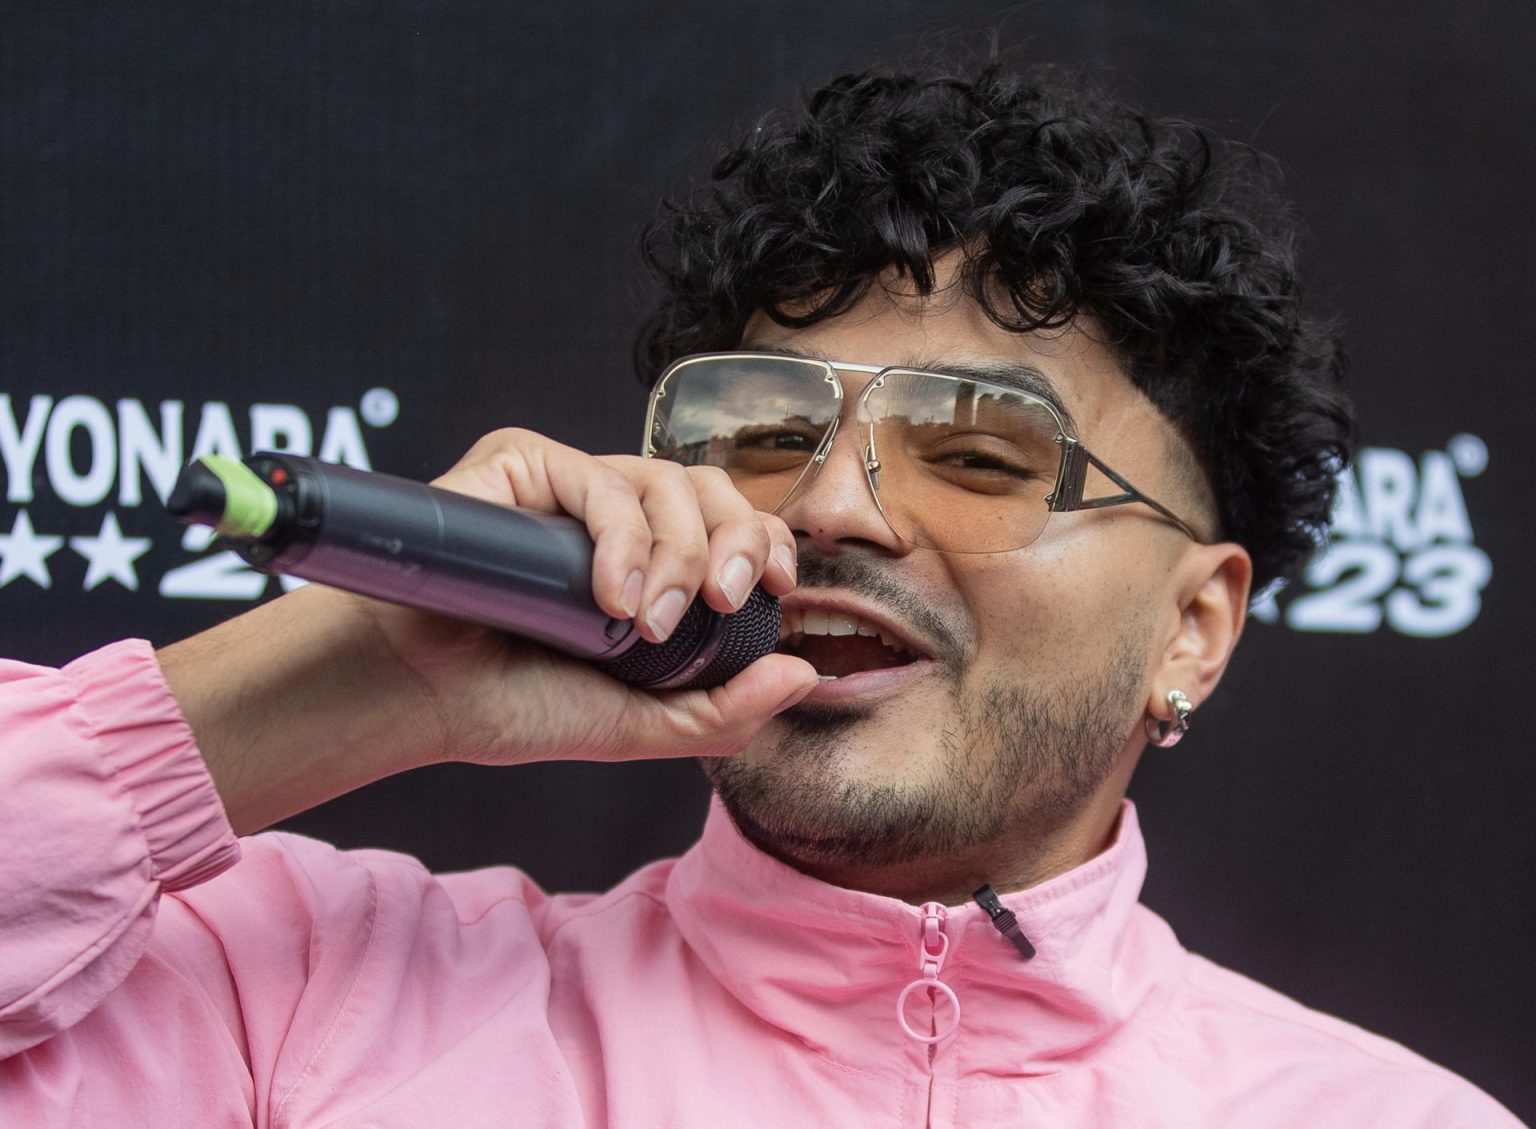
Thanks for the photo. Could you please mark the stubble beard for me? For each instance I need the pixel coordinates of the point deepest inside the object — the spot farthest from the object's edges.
(1016, 756)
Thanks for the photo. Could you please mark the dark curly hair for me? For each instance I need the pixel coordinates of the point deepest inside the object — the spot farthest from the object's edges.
(1064, 202)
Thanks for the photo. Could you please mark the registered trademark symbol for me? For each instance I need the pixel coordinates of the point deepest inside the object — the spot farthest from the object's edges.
(379, 407)
(1469, 453)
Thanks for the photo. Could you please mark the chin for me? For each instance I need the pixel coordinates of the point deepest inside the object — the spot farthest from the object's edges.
(827, 786)
(832, 783)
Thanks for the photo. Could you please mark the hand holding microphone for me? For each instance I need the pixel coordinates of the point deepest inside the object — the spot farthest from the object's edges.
(526, 573)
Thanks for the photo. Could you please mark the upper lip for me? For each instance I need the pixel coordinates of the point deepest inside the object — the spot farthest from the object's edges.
(813, 600)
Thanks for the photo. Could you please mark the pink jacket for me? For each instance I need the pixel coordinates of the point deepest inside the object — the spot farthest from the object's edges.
(147, 979)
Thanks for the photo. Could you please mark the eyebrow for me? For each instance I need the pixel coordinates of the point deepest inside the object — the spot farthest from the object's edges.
(1010, 374)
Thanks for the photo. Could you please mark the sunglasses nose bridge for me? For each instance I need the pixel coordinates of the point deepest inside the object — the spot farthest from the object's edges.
(835, 496)
(840, 445)
(851, 449)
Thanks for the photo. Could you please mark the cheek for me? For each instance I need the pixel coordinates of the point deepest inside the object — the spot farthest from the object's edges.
(1059, 605)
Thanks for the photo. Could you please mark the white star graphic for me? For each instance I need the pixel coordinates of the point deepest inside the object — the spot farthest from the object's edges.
(110, 555)
(24, 553)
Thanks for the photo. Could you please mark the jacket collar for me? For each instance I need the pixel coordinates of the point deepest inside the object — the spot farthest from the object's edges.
(827, 964)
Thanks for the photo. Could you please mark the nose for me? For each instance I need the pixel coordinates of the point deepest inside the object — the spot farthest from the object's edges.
(834, 506)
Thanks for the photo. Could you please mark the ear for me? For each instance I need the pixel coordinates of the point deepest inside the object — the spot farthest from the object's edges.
(1210, 585)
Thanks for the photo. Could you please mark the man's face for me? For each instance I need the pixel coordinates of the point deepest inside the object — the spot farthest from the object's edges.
(1023, 708)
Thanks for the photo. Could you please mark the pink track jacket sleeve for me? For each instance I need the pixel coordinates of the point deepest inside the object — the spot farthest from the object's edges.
(140, 985)
(88, 837)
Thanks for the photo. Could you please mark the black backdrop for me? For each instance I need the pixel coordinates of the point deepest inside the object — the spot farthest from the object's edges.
(379, 229)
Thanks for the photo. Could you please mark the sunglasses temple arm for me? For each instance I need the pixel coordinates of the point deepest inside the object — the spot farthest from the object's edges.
(1131, 495)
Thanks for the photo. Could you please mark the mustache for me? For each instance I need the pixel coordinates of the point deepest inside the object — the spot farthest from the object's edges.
(864, 577)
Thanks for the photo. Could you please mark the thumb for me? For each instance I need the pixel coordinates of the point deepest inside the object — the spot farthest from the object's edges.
(721, 720)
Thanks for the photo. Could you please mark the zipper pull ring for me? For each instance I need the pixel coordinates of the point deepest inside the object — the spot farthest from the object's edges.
(1004, 921)
(932, 950)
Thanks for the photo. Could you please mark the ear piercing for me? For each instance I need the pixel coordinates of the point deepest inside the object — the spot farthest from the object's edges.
(1166, 734)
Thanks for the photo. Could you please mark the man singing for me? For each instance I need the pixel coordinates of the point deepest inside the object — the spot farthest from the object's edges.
(1004, 388)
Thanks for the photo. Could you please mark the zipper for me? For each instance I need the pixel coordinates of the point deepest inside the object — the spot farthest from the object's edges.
(933, 947)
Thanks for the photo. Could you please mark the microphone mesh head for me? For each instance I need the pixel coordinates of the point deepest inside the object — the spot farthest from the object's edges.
(727, 644)
(751, 632)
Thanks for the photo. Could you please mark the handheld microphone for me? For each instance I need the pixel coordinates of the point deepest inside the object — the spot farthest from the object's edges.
(526, 573)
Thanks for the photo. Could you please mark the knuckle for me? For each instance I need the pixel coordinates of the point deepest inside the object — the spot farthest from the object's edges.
(483, 447)
(718, 484)
(754, 538)
(505, 449)
(775, 528)
(610, 479)
(623, 464)
(506, 445)
(632, 534)
(688, 554)
(672, 475)
(512, 438)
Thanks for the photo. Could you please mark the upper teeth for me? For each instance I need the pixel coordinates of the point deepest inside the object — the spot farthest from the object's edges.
(810, 621)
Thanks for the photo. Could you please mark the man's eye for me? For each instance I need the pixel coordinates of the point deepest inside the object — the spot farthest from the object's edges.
(773, 439)
(988, 468)
(977, 461)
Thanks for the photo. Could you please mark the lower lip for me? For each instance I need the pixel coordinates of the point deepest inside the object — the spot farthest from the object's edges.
(869, 683)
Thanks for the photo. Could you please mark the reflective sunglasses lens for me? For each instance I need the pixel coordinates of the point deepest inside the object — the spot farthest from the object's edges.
(758, 418)
(962, 467)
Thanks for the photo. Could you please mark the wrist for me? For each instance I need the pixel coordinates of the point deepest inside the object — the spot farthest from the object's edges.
(297, 702)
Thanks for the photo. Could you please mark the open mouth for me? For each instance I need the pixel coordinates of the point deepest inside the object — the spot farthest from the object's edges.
(840, 643)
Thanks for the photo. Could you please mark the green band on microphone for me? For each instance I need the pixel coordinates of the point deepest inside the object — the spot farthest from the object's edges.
(250, 505)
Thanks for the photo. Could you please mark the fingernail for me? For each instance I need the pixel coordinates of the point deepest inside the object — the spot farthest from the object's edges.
(629, 599)
(786, 560)
(734, 578)
(665, 611)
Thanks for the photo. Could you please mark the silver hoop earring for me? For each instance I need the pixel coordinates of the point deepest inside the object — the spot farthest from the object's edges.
(1167, 734)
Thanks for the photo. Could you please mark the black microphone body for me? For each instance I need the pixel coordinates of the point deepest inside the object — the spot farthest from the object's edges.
(526, 573)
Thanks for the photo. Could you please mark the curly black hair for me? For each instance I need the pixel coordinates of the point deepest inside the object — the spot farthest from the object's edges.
(1064, 202)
